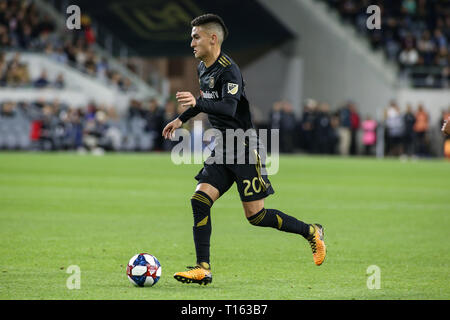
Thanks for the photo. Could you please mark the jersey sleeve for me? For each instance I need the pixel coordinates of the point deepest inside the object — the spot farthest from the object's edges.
(231, 87)
(231, 80)
(189, 113)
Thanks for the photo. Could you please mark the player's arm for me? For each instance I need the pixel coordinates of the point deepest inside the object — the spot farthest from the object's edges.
(187, 100)
(182, 118)
(231, 92)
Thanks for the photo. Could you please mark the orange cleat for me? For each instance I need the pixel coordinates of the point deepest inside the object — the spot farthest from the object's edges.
(200, 274)
(318, 246)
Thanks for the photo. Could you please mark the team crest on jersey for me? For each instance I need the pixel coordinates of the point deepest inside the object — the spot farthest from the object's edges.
(233, 88)
(211, 82)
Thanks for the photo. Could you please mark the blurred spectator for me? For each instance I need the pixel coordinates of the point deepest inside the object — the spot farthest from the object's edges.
(307, 125)
(13, 73)
(369, 127)
(135, 109)
(46, 128)
(89, 34)
(409, 119)
(59, 82)
(90, 63)
(275, 115)
(420, 129)
(7, 110)
(57, 54)
(155, 121)
(395, 130)
(275, 120)
(42, 81)
(426, 47)
(409, 7)
(334, 138)
(324, 136)
(439, 39)
(95, 134)
(345, 129)
(408, 56)
(354, 126)
(287, 127)
(74, 130)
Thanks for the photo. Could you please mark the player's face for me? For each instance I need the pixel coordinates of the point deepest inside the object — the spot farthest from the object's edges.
(201, 42)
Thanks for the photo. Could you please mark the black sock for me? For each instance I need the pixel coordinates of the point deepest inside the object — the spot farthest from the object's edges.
(276, 219)
(201, 207)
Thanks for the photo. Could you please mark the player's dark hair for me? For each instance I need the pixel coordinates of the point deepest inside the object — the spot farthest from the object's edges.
(210, 18)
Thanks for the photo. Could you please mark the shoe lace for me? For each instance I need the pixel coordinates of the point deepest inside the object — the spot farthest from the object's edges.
(193, 267)
(312, 243)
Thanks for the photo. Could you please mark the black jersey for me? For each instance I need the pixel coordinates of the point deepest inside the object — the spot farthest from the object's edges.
(223, 99)
(222, 96)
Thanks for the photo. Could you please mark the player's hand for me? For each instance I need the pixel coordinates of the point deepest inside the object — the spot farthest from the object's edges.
(446, 127)
(186, 99)
(170, 128)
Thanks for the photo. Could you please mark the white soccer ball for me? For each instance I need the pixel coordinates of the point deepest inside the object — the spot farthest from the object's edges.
(144, 270)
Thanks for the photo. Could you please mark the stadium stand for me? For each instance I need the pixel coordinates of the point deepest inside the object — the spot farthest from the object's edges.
(414, 34)
(58, 91)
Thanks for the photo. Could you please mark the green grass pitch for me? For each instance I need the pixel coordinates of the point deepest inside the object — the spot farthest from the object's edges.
(58, 210)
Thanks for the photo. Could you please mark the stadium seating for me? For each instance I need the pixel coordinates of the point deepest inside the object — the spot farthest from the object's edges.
(415, 34)
(40, 66)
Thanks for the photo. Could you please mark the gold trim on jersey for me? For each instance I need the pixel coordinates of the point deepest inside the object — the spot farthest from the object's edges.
(224, 62)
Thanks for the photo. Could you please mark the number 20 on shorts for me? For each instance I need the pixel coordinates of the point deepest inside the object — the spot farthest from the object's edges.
(253, 184)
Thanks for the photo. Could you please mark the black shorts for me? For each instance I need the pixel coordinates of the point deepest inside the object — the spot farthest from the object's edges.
(251, 181)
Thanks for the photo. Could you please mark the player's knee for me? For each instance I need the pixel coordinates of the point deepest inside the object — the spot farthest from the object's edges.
(208, 190)
(253, 207)
(257, 217)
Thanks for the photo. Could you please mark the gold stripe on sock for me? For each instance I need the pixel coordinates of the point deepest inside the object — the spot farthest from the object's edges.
(201, 198)
(203, 222)
(259, 218)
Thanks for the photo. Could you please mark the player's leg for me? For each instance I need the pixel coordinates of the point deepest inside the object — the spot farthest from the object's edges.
(202, 200)
(259, 216)
(214, 181)
(253, 186)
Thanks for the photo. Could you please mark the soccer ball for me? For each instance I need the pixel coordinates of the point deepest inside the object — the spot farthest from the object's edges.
(144, 270)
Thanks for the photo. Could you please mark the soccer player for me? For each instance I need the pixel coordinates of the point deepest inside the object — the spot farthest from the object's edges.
(223, 98)
(446, 126)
